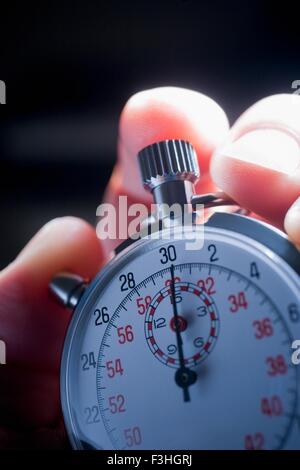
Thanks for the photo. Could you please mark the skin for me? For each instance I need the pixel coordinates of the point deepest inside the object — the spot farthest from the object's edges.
(256, 162)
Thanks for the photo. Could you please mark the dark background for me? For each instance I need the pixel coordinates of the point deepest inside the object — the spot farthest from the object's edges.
(70, 66)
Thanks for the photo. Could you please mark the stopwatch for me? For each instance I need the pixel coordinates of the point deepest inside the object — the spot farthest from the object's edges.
(177, 348)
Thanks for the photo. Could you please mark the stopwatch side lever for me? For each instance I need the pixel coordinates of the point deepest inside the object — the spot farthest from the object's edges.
(68, 288)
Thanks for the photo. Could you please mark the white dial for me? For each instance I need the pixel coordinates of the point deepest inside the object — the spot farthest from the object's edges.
(229, 336)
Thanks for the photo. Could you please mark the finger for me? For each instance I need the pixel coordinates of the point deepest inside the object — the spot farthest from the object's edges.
(260, 164)
(167, 113)
(292, 222)
(158, 114)
(33, 325)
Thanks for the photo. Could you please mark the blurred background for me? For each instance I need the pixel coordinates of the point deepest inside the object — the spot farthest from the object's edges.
(70, 66)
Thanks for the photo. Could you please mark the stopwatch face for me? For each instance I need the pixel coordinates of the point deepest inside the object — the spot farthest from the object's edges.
(215, 372)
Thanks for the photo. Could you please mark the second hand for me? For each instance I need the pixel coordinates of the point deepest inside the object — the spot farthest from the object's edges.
(184, 377)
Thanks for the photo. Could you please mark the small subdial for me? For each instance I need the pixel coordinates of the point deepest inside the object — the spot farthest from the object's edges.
(198, 323)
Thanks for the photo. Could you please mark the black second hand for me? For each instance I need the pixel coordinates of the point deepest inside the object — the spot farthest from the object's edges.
(183, 376)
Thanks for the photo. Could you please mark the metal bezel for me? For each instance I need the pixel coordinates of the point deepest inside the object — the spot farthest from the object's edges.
(263, 233)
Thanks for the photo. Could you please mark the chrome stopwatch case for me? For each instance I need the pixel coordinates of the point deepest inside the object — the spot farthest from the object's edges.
(177, 348)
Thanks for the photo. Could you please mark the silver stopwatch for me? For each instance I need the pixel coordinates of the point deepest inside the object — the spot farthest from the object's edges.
(176, 348)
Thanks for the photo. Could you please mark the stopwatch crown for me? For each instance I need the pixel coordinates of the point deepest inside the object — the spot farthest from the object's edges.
(168, 160)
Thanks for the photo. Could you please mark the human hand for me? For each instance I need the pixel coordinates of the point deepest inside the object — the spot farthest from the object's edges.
(256, 163)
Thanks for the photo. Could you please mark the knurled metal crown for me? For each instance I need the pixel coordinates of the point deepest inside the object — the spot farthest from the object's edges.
(168, 160)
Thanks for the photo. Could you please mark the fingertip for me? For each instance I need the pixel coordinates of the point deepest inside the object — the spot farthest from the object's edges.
(292, 222)
(281, 111)
(259, 166)
(64, 243)
(168, 113)
(172, 113)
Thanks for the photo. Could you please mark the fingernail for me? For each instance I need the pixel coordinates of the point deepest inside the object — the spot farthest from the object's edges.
(292, 221)
(296, 205)
(269, 148)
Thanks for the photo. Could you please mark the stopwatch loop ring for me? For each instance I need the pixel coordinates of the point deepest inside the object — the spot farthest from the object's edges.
(217, 199)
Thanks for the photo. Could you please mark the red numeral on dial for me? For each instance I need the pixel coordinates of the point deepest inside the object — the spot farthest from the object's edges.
(207, 285)
(143, 304)
(125, 334)
(263, 328)
(133, 436)
(113, 368)
(238, 301)
(272, 406)
(276, 365)
(116, 404)
(254, 441)
(169, 281)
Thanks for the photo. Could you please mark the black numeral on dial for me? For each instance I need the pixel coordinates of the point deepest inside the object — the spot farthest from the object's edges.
(88, 360)
(92, 414)
(294, 313)
(101, 316)
(127, 281)
(213, 253)
(168, 254)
